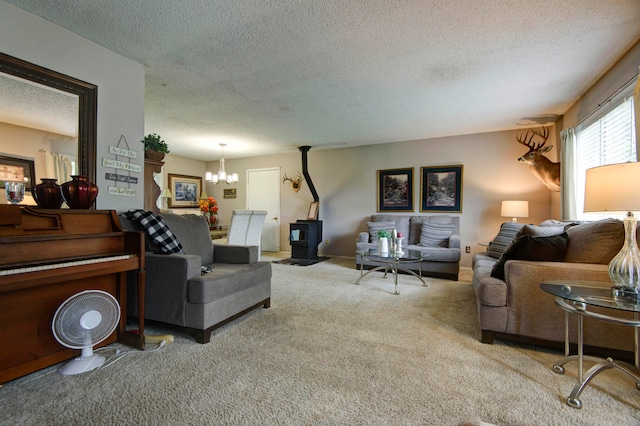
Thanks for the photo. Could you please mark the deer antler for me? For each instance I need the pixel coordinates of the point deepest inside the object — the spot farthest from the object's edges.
(294, 182)
(544, 134)
(285, 178)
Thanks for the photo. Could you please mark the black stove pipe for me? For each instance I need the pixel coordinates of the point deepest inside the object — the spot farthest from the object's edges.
(305, 172)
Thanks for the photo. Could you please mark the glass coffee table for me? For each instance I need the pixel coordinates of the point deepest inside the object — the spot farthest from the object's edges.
(391, 261)
(575, 297)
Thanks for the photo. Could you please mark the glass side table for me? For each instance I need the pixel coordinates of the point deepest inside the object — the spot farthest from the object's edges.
(391, 260)
(574, 297)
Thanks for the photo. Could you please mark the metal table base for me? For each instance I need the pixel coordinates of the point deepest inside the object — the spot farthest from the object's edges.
(391, 263)
(573, 400)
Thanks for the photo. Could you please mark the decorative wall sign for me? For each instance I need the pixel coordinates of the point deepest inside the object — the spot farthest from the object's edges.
(123, 168)
(116, 164)
(122, 191)
(121, 178)
(116, 150)
(441, 189)
(395, 190)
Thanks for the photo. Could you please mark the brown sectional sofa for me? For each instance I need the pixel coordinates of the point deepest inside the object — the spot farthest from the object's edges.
(515, 307)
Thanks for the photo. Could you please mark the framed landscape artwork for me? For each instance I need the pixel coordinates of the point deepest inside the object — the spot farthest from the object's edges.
(395, 190)
(441, 189)
(13, 169)
(185, 191)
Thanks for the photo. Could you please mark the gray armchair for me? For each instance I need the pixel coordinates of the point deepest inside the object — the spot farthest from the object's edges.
(180, 294)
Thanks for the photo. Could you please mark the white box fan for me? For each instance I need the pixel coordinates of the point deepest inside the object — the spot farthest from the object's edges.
(82, 321)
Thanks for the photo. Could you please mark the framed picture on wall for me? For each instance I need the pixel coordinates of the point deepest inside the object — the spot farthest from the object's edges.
(313, 210)
(395, 190)
(185, 191)
(441, 189)
(14, 169)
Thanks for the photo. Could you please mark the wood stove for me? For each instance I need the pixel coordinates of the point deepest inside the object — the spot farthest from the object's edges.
(306, 235)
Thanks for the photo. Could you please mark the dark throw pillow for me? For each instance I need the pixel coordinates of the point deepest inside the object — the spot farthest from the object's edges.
(527, 247)
(160, 238)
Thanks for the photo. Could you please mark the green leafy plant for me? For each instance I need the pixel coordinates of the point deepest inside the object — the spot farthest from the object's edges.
(383, 233)
(153, 142)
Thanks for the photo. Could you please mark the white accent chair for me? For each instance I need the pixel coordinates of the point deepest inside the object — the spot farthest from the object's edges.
(238, 226)
(245, 228)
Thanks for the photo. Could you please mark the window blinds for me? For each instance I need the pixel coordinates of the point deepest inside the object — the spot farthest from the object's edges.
(608, 140)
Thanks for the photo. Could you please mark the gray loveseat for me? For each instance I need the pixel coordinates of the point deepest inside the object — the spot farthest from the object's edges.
(178, 293)
(439, 236)
(514, 307)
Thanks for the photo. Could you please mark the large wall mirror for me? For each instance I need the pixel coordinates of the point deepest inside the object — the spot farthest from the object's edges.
(16, 72)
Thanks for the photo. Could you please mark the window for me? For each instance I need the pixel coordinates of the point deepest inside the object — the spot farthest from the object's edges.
(610, 139)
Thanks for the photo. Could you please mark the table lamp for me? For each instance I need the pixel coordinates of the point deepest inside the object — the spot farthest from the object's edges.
(165, 195)
(515, 209)
(614, 189)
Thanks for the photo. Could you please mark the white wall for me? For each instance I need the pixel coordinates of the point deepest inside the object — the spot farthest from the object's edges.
(120, 84)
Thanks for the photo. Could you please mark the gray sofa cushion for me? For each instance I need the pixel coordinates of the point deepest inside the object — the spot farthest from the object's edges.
(595, 242)
(374, 227)
(437, 254)
(227, 279)
(552, 248)
(435, 234)
(193, 233)
(505, 237)
(401, 221)
(541, 231)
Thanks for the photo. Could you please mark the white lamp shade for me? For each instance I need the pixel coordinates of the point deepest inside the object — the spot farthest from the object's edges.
(515, 208)
(612, 189)
(166, 193)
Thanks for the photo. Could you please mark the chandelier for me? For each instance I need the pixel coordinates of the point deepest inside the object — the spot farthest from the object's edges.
(222, 175)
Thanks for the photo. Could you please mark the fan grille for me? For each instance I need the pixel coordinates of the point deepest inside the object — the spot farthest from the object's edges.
(67, 325)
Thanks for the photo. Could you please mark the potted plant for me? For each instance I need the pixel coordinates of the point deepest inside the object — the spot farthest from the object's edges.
(383, 240)
(154, 147)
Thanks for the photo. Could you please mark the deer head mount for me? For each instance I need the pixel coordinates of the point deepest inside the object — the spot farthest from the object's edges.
(542, 168)
(296, 183)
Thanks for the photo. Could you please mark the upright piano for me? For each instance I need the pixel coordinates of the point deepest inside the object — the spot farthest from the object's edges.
(46, 256)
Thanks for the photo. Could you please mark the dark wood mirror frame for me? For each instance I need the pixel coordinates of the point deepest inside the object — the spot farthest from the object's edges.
(87, 98)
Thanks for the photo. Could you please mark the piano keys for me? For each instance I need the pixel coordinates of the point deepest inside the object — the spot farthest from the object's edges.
(47, 256)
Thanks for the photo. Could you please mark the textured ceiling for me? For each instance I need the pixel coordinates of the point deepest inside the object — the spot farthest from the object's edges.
(29, 104)
(266, 76)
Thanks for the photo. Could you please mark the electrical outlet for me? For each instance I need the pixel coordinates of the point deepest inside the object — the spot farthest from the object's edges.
(326, 241)
(467, 249)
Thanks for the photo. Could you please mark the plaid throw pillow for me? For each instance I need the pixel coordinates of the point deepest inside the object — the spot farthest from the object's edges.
(159, 235)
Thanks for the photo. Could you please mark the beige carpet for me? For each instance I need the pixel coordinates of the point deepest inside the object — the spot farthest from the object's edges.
(329, 352)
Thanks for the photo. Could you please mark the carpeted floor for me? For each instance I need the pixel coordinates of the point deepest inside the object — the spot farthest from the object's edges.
(329, 352)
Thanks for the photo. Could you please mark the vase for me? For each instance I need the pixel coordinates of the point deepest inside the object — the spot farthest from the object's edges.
(14, 191)
(213, 219)
(47, 194)
(79, 193)
(383, 245)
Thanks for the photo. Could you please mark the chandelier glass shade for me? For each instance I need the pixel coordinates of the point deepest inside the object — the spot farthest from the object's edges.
(222, 175)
